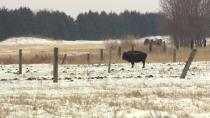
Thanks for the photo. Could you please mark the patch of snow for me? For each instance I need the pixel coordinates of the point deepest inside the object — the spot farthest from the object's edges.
(80, 42)
(135, 113)
(90, 91)
(26, 40)
(42, 41)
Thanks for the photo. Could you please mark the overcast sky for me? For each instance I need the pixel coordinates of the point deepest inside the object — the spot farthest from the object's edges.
(74, 7)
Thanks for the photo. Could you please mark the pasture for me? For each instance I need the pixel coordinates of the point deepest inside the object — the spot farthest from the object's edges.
(77, 51)
(89, 91)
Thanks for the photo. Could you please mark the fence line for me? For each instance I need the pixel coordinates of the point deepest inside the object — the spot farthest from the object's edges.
(173, 53)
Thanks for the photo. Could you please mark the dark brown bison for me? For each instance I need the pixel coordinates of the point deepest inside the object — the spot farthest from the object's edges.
(135, 56)
(157, 42)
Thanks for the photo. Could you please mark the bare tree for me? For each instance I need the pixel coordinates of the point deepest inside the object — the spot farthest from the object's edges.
(186, 20)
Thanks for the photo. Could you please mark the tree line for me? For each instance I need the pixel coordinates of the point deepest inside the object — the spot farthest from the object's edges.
(87, 26)
(186, 21)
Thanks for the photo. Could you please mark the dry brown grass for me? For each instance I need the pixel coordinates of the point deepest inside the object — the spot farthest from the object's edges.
(118, 101)
(44, 54)
(205, 108)
(111, 44)
(4, 112)
(135, 94)
(128, 42)
(146, 105)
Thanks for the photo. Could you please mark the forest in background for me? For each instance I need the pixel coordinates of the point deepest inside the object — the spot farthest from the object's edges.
(87, 26)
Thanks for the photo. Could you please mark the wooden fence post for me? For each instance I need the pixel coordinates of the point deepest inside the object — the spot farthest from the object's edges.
(110, 60)
(187, 65)
(174, 55)
(64, 59)
(55, 66)
(88, 58)
(150, 46)
(164, 47)
(101, 55)
(119, 52)
(20, 61)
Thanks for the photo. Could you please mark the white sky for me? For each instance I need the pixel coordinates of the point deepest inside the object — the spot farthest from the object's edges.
(74, 7)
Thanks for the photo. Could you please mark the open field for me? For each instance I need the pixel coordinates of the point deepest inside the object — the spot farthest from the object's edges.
(89, 91)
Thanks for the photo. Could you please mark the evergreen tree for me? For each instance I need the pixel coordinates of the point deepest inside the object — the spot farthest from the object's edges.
(88, 26)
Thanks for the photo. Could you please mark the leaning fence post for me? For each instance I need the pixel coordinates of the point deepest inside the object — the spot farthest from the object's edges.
(110, 60)
(20, 61)
(55, 66)
(64, 59)
(174, 55)
(187, 65)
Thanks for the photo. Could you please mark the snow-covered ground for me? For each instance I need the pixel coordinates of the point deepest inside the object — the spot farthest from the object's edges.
(42, 41)
(26, 40)
(88, 91)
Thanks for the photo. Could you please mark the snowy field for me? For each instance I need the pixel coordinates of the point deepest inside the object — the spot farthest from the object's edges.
(88, 91)
(44, 41)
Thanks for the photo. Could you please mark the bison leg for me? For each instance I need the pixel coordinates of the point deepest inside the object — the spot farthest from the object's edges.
(143, 64)
(132, 63)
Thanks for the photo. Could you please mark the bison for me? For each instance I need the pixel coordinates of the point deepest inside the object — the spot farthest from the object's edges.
(135, 56)
(157, 42)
